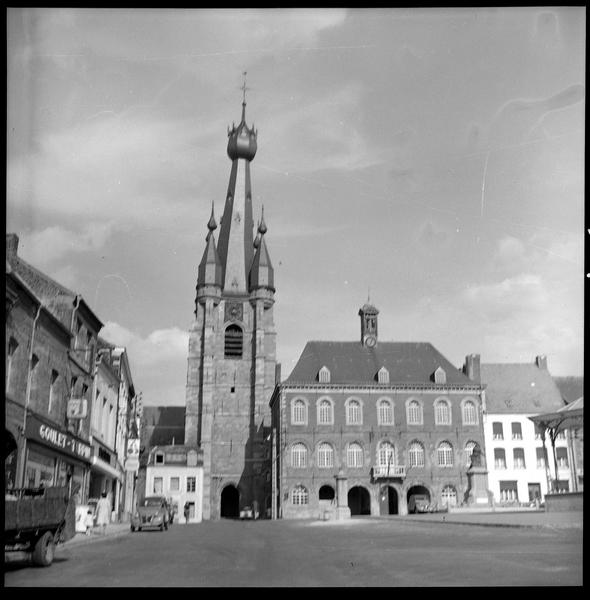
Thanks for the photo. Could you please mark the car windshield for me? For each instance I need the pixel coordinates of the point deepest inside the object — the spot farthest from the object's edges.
(152, 502)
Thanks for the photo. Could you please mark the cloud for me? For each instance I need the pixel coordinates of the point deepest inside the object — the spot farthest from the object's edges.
(160, 346)
(317, 134)
(43, 247)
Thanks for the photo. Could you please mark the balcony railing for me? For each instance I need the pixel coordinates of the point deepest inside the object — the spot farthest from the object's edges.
(381, 472)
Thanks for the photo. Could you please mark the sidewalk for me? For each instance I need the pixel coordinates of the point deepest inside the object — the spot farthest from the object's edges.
(112, 530)
(522, 518)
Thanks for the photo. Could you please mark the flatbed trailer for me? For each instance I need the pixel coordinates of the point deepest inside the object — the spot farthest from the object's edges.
(35, 520)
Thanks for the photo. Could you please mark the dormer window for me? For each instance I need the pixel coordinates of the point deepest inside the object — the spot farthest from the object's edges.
(383, 375)
(324, 375)
(159, 459)
(440, 375)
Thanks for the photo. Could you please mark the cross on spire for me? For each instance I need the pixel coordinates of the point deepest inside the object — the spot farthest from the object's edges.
(244, 88)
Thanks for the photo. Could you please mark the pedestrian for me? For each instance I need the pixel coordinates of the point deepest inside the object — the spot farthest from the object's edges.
(103, 512)
(89, 522)
(187, 511)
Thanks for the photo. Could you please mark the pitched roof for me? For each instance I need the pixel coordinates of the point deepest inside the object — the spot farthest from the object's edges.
(571, 388)
(353, 363)
(519, 388)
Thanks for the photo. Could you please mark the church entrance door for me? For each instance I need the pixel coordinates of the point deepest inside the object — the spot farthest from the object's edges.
(230, 502)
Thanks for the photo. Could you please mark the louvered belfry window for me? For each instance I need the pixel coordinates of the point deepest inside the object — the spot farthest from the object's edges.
(234, 340)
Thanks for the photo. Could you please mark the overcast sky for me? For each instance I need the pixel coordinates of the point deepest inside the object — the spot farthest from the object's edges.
(432, 159)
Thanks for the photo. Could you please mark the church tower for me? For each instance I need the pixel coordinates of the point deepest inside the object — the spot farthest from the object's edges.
(232, 347)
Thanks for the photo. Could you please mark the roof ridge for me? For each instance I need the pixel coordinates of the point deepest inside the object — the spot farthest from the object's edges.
(44, 275)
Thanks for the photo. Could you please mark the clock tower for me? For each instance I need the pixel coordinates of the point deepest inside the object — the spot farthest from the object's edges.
(368, 315)
(232, 348)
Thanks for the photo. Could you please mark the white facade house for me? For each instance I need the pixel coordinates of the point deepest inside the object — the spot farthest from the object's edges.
(520, 468)
(176, 472)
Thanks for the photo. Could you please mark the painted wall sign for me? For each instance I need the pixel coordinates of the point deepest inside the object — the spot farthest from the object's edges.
(55, 438)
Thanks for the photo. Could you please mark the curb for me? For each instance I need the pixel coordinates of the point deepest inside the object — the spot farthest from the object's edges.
(84, 540)
(511, 525)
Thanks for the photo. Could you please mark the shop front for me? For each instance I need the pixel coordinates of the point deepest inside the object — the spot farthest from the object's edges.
(106, 477)
(55, 457)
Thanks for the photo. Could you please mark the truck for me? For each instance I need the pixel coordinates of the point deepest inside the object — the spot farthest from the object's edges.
(35, 520)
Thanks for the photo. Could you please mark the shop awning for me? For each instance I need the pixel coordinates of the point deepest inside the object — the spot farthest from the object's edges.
(103, 467)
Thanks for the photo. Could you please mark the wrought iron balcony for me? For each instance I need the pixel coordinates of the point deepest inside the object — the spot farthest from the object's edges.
(391, 471)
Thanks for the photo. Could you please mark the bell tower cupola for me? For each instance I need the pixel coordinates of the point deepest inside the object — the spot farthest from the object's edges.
(368, 314)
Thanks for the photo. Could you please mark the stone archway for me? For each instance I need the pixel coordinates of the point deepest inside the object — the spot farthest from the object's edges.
(417, 490)
(230, 502)
(388, 500)
(359, 501)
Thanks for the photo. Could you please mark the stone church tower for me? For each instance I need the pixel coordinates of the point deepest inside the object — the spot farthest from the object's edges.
(232, 348)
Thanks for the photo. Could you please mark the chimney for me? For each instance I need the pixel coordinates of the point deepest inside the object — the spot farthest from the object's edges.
(541, 361)
(277, 373)
(11, 246)
(471, 367)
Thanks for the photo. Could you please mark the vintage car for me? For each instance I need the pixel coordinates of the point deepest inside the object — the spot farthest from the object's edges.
(154, 512)
(248, 512)
(419, 503)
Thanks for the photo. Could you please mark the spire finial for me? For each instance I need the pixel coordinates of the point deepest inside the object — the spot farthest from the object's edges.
(369, 294)
(262, 229)
(212, 224)
(244, 88)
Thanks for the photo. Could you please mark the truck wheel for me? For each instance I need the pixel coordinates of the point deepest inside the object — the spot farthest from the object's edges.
(44, 550)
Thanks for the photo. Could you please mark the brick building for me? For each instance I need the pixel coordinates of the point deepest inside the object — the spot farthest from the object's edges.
(50, 341)
(376, 422)
(231, 356)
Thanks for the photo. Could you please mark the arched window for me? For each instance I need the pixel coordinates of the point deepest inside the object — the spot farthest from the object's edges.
(416, 454)
(354, 455)
(298, 412)
(469, 413)
(386, 454)
(414, 410)
(442, 412)
(325, 456)
(354, 415)
(325, 413)
(448, 496)
(234, 339)
(385, 412)
(445, 454)
(299, 495)
(299, 456)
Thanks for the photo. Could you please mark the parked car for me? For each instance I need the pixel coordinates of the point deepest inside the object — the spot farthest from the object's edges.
(419, 503)
(153, 513)
(248, 513)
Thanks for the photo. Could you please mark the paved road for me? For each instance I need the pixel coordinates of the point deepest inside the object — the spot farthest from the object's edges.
(361, 552)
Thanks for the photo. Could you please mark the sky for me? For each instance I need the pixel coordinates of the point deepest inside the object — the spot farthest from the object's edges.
(429, 160)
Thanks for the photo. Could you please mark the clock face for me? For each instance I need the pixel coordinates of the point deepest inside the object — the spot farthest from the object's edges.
(370, 341)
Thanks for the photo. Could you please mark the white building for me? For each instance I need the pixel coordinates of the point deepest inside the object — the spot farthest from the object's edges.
(520, 468)
(176, 472)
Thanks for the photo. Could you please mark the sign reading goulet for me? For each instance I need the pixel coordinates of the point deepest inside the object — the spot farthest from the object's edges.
(60, 440)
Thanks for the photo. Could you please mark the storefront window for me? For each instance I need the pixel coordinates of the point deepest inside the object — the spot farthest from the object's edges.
(40, 470)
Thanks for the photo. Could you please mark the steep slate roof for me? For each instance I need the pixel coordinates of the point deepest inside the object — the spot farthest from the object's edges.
(571, 388)
(519, 388)
(353, 363)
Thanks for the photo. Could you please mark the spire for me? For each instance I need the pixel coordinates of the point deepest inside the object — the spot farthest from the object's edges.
(236, 246)
(210, 269)
(262, 272)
